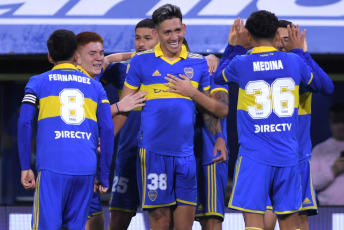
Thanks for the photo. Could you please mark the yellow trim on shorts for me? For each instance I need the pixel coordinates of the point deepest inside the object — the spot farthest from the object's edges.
(287, 212)
(121, 209)
(160, 205)
(186, 202)
(233, 191)
(143, 174)
(315, 206)
(210, 214)
(254, 228)
(95, 214)
(36, 203)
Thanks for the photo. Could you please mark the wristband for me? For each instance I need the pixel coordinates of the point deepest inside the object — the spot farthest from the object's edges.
(117, 107)
(219, 134)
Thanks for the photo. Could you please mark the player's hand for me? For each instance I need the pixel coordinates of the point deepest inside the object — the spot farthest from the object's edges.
(98, 147)
(28, 179)
(213, 62)
(243, 38)
(295, 38)
(101, 189)
(338, 166)
(181, 86)
(132, 101)
(232, 36)
(221, 147)
(305, 46)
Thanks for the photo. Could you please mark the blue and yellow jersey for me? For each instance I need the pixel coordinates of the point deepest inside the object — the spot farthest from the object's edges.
(68, 119)
(127, 142)
(204, 140)
(167, 120)
(305, 109)
(268, 104)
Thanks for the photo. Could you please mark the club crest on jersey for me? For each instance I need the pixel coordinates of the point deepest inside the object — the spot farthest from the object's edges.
(152, 195)
(189, 72)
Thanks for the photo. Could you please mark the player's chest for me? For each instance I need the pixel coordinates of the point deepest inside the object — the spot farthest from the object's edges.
(157, 71)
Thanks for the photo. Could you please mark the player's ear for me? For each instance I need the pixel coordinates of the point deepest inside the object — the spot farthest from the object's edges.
(277, 37)
(77, 60)
(50, 59)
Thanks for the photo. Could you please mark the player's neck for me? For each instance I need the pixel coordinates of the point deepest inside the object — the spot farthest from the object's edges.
(262, 42)
(169, 55)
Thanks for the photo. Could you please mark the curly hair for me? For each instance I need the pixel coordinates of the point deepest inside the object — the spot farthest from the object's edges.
(262, 24)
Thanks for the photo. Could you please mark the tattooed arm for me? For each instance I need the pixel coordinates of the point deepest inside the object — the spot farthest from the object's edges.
(214, 126)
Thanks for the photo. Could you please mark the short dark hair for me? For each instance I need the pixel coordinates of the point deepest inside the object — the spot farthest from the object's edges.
(61, 45)
(165, 12)
(337, 113)
(262, 24)
(185, 43)
(284, 23)
(86, 37)
(145, 23)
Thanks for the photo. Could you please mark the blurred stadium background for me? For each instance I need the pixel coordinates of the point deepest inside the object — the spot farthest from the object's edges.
(26, 24)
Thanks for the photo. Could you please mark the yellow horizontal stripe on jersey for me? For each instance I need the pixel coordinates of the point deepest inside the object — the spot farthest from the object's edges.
(218, 89)
(159, 91)
(245, 100)
(51, 107)
(305, 104)
(130, 86)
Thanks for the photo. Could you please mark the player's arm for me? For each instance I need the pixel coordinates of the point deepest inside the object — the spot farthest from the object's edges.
(319, 74)
(120, 118)
(212, 62)
(106, 134)
(129, 102)
(117, 57)
(28, 112)
(184, 87)
(214, 126)
(238, 44)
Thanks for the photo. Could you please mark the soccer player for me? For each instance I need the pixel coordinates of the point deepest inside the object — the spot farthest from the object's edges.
(125, 195)
(166, 163)
(73, 112)
(309, 205)
(267, 124)
(93, 63)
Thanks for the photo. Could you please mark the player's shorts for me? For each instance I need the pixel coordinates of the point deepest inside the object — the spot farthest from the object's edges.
(96, 207)
(211, 188)
(309, 203)
(125, 193)
(61, 201)
(166, 180)
(254, 182)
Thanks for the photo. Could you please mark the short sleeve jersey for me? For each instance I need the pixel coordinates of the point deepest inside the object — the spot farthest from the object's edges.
(204, 140)
(268, 102)
(67, 133)
(167, 119)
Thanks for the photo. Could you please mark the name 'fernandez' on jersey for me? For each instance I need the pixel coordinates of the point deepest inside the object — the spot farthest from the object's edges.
(268, 104)
(67, 119)
(167, 119)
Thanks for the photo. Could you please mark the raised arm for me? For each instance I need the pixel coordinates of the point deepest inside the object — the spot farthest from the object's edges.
(117, 57)
(120, 118)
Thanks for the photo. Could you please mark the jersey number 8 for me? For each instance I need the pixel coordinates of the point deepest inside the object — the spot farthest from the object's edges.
(72, 110)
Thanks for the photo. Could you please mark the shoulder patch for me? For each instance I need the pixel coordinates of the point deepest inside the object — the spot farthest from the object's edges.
(145, 52)
(195, 56)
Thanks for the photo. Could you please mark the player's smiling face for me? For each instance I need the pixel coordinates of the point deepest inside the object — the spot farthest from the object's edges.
(92, 58)
(145, 39)
(171, 35)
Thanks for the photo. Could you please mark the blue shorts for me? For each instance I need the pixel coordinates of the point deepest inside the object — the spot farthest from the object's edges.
(309, 203)
(61, 201)
(255, 182)
(96, 207)
(166, 180)
(211, 188)
(125, 193)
